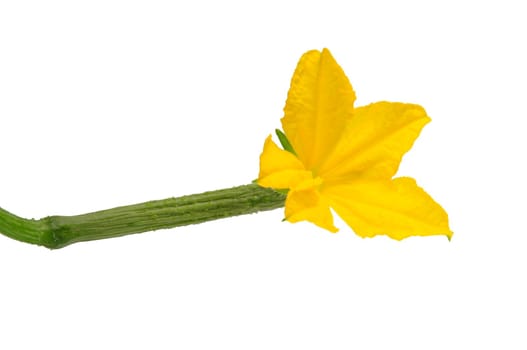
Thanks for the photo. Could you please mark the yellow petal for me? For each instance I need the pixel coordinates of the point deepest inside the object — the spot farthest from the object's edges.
(397, 208)
(305, 203)
(319, 103)
(280, 169)
(375, 139)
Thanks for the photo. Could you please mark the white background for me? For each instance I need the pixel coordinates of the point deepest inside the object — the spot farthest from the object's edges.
(106, 103)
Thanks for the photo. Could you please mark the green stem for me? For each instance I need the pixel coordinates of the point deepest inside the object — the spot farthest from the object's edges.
(59, 231)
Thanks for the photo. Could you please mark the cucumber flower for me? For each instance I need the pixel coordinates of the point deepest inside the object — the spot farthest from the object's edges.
(345, 158)
(334, 156)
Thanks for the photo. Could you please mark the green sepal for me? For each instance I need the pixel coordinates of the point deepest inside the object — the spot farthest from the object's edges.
(284, 141)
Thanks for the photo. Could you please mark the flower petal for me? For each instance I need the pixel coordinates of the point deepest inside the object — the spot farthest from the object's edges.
(305, 203)
(397, 208)
(280, 169)
(319, 104)
(375, 139)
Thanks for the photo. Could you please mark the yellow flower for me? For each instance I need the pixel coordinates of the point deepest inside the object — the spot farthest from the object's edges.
(344, 158)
